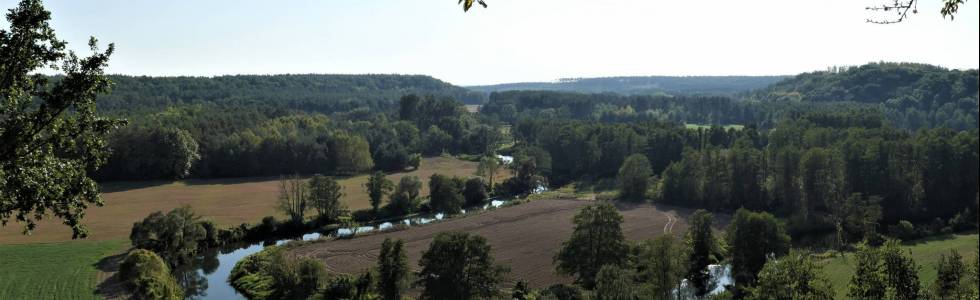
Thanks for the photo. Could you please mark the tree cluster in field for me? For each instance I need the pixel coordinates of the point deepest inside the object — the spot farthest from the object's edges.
(323, 195)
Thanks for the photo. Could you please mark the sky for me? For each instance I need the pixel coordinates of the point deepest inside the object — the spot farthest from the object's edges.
(511, 40)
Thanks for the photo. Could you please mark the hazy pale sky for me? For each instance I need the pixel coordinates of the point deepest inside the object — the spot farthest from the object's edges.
(512, 40)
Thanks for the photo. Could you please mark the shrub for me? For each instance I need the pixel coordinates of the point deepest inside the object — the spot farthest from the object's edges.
(175, 236)
(961, 222)
(475, 192)
(270, 274)
(904, 230)
(148, 276)
(563, 292)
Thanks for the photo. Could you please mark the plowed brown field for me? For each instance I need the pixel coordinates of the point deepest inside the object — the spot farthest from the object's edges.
(524, 237)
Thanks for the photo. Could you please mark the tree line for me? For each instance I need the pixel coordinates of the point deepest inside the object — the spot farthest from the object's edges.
(909, 96)
(822, 171)
(209, 141)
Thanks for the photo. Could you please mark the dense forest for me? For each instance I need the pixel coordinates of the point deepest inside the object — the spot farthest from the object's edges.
(643, 85)
(801, 154)
(910, 96)
(815, 170)
(234, 126)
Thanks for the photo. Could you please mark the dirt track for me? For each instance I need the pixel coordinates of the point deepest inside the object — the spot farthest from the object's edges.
(524, 237)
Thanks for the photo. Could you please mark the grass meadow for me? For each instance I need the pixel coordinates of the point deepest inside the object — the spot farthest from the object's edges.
(66, 270)
(925, 252)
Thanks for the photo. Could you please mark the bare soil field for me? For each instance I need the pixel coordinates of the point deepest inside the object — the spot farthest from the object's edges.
(523, 237)
(226, 201)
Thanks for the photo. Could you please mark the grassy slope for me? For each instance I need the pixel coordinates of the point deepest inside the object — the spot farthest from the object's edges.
(926, 253)
(226, 201)
(53, 271)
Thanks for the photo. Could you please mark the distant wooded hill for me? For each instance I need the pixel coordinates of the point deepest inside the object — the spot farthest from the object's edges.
(310, 92)
(644, 85)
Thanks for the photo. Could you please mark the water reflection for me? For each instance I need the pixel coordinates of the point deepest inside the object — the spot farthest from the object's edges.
(206, 277)
(412, 221)
(721, 275)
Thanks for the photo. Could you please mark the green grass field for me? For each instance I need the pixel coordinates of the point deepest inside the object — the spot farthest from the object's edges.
(925, 252)
(53, 271)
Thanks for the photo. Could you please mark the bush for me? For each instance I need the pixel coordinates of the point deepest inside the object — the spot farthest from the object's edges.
(270, 274)
(475, 192)
(562, 292)
(961, 222)
(148, 276)
(175, 236)
(904, 230)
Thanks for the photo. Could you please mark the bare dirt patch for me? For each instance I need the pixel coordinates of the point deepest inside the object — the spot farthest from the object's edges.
(524, 237)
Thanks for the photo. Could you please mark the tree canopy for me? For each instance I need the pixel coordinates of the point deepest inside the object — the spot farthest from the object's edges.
(596, 241)
(50, 133)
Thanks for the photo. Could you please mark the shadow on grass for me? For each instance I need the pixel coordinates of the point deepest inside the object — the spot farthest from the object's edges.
(122, 186)
(936, 238)
(111, 287)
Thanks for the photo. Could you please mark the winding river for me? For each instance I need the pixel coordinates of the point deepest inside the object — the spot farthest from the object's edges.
(207, 277)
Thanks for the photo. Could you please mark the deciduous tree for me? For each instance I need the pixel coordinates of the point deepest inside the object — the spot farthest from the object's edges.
(634, 177)
(392, 269)
(404, 200)
(175, 236)
(50, 134)
(325, 195)
(458, 265)
(293, 198)
(794, 276)
(702, 251)
(445, 194)
(377, 187)
(752, 238)
(597, 240)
